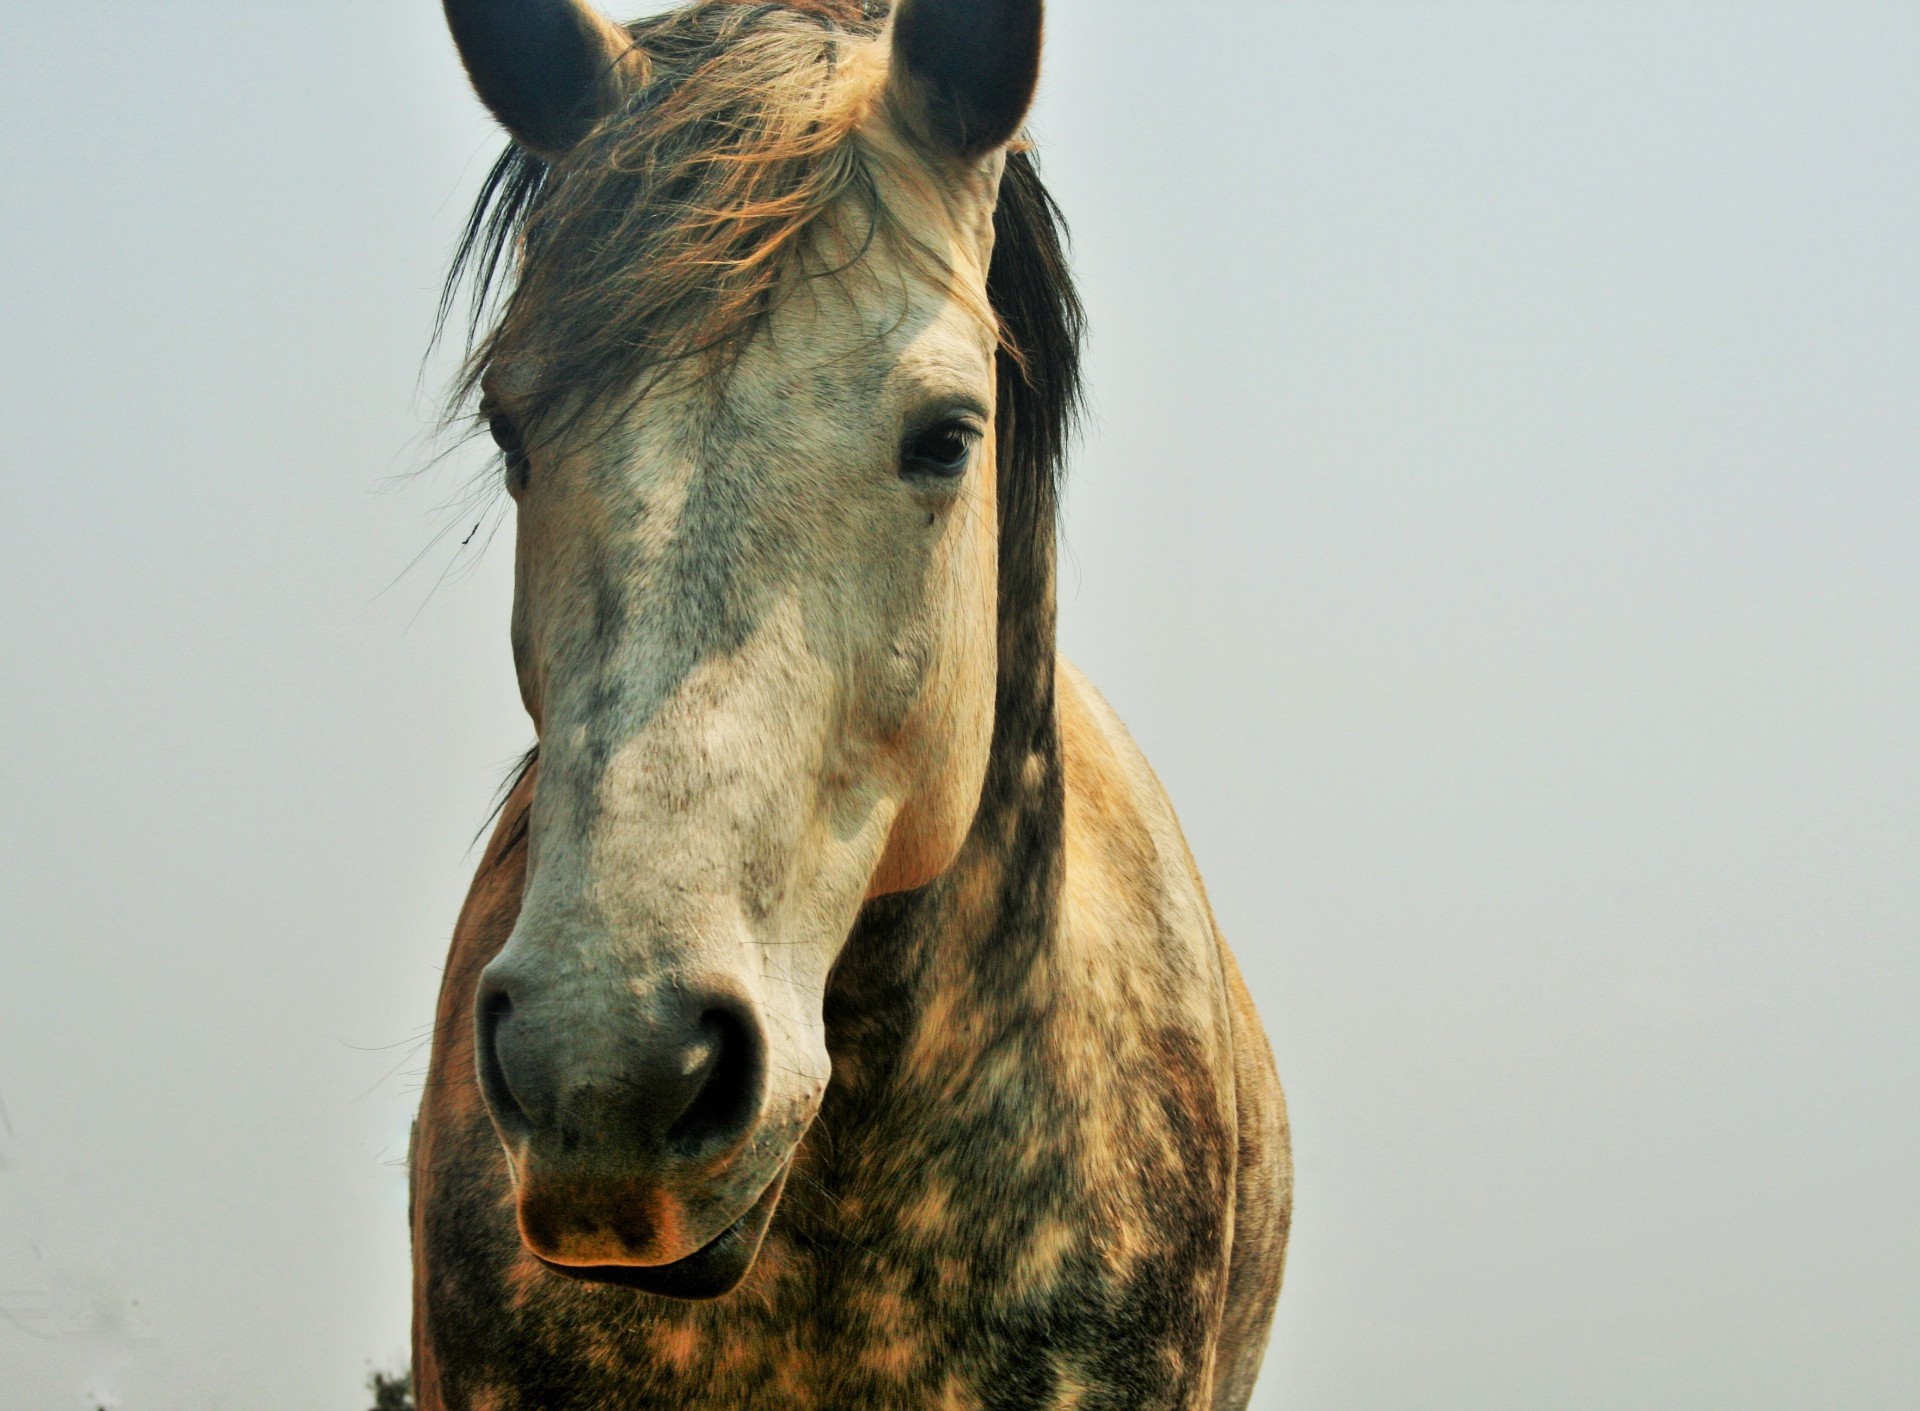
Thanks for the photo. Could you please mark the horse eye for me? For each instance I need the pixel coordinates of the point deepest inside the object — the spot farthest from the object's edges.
(941, 451)
(512, 449)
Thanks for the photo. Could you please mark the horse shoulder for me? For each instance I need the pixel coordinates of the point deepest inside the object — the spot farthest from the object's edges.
(1263, 1199)
(1135, 907)
(1138, 915)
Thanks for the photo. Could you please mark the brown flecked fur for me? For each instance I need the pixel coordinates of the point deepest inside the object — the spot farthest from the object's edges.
(1051, 1170)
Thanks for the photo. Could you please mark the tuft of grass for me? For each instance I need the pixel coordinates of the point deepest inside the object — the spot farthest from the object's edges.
(391, 1393)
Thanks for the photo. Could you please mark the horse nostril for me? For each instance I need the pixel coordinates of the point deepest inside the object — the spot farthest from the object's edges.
(728, 1069)
(574, 1075)
(492, 1014)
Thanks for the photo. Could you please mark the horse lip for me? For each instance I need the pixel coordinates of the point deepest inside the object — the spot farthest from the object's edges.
(713, 1271)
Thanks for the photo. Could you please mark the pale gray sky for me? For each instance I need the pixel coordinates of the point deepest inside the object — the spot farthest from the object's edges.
(1499, 525)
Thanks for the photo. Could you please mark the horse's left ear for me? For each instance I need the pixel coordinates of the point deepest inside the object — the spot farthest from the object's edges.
(964, 71)
(548, 69)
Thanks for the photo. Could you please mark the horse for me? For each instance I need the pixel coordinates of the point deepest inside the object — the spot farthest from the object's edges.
(837, 1018)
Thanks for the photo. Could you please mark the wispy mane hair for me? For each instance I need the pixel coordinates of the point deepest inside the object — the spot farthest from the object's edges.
(671, 231)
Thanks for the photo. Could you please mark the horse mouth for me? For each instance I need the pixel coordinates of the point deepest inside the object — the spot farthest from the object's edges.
(712, 1271)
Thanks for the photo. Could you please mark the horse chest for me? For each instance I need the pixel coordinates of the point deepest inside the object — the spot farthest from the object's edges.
(956, 1284)
(897, 1343)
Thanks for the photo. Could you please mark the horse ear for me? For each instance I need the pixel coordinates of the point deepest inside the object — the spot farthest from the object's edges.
(548, 69)
(964, 71)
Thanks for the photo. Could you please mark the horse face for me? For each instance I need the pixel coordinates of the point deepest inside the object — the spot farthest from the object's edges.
(754, 623)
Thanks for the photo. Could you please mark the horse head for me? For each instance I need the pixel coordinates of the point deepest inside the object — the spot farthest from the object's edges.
(747, 385)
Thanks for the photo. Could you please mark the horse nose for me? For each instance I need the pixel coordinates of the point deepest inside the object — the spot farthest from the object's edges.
(668, 1079)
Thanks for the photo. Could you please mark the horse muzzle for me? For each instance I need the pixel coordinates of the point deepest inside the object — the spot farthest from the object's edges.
(636, 1126)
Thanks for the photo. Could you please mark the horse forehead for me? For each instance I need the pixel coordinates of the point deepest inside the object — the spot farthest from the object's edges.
(832, 366)
(912, 306)
(888, 307)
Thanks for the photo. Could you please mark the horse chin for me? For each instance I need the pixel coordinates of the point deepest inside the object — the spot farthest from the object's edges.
(712, 1271)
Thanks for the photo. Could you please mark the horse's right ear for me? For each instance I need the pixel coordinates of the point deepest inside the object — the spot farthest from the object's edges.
(548, 69)
(964, 71)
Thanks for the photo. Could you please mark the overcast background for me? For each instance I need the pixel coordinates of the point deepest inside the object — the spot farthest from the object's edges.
(1498, 524)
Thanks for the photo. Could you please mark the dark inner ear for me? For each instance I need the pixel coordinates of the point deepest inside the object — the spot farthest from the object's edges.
(973, 65)
(546, 68)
